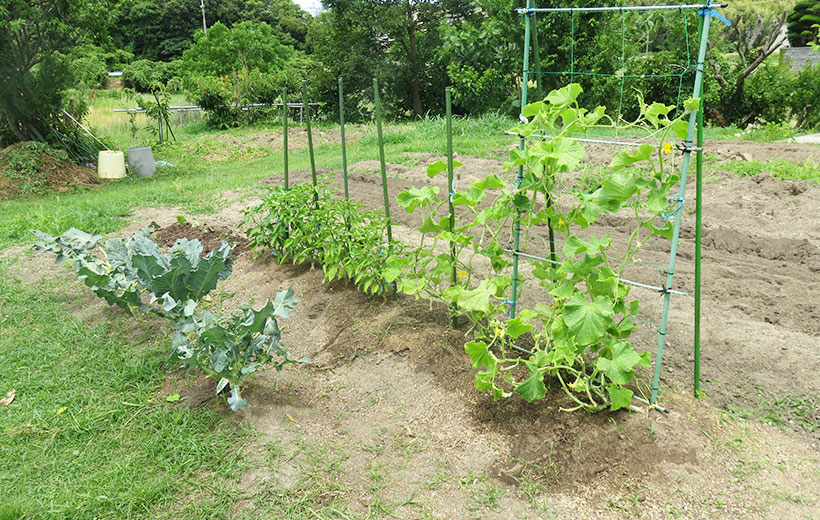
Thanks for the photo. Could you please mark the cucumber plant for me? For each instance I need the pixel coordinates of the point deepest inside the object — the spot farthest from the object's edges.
(580, 339)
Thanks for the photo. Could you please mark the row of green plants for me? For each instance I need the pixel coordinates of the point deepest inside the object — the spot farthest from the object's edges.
(136, 275)
(579, 340)
(307, 223)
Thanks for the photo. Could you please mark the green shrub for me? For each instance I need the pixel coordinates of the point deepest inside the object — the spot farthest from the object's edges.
(144, 75)
(804, 97)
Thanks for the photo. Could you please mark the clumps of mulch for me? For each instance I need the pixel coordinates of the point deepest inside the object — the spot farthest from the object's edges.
(29, 168)
(211, 236)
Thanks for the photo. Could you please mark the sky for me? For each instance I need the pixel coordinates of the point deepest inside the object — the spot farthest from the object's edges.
(311, 6)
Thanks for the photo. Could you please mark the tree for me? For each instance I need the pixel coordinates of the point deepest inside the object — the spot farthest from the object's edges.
(755, 34)
(34, 71)
(395, 40)
(482, 55)
(227, 68)
(803, 22)
(163, 29)
(245, 46)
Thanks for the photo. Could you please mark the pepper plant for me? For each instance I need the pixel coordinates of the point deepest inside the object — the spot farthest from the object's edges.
(580, 338)
(307, 223)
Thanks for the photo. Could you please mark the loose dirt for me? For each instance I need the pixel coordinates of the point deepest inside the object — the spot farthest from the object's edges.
(43, 172)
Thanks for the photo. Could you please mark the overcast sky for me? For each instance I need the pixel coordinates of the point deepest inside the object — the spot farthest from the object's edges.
(311, 6)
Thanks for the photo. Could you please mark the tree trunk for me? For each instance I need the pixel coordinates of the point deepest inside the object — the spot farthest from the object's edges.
(415, 89)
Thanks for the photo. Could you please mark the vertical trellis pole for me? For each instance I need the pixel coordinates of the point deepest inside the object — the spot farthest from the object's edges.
(310, 143)
(451, 189)
(687, 155)
(377, 101)
(517, 229)
(698, 237)
(342, 125)
(285, 134)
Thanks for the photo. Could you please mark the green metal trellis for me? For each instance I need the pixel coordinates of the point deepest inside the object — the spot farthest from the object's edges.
(705, 13)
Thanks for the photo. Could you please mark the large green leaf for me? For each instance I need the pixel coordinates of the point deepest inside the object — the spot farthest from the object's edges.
(214, 267)
(619, 397)
(565, 96)
(516, 327)
(284, 303)
(533, 388)
(480, 355)
(624, 158)
(413, 198)
(588, 320)
(620, 366)
(477, 299)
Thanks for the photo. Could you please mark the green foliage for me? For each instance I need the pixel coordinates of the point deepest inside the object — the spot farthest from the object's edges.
(781, 169)
(124, 270)
(582, 337)
(306, 223)
(34, 72)
(232, 347)
(803, 23)
(227, 348)
(146, 75)
(89, 66)
(803, 97)
(482, 58)
(229, 68)
(160, 30)
(245, 46)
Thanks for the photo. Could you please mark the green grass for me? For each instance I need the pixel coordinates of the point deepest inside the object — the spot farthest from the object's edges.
(88, 435)
(197, 186)
(781, 169)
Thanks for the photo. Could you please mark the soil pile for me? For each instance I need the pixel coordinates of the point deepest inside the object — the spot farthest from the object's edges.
(30, 168)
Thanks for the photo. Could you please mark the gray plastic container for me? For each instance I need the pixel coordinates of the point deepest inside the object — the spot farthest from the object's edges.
(141, 161)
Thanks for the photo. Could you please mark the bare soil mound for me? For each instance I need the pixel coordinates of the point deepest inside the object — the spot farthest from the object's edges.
(30, 168)
(211, 236)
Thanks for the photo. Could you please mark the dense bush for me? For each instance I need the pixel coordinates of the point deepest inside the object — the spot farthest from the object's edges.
(228, 69)
(144, 75)
(765, 94)
(804, 97)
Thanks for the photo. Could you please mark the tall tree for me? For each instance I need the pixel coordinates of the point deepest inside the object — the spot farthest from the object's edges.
(399, 36)
(755, 34)
(163, 29)
(34, 37)
(803, 21)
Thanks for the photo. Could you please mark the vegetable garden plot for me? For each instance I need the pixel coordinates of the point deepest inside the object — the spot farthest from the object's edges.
(577, 329)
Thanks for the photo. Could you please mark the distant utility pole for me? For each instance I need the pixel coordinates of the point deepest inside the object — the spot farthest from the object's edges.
(202, 6)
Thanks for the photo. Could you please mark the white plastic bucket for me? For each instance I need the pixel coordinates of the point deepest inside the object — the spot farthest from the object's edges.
(110, 165)
(141, 161)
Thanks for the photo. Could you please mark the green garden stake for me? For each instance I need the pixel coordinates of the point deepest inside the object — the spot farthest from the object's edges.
(310, 144)
(451, 188)
(342, 124)
(698, 236)
(382, 165)
(517, 232)
(670, 270)
(285, 134)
